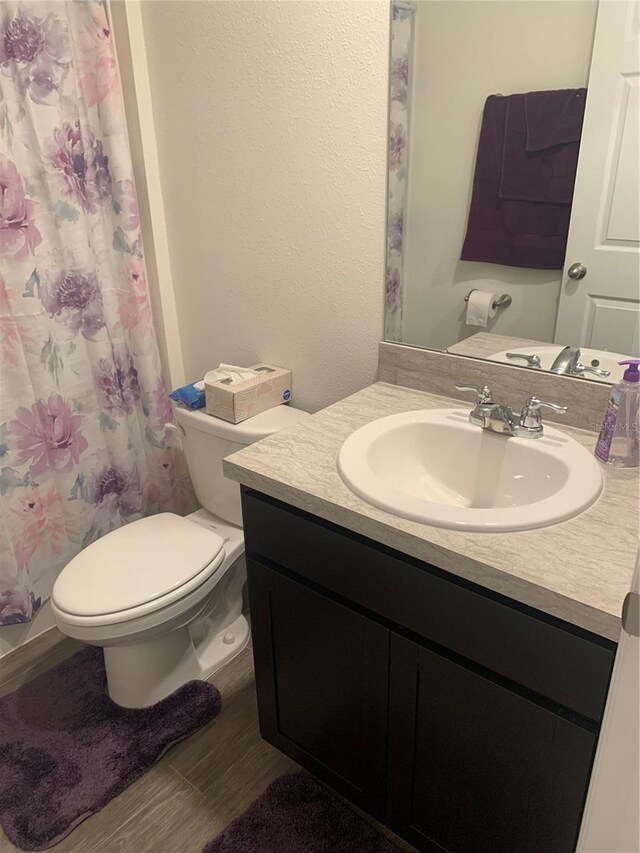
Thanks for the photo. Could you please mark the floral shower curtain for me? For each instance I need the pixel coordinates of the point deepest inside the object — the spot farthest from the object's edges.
(83, 407)
(399, 114)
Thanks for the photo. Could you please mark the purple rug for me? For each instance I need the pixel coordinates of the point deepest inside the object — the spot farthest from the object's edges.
(67, 749)
(296, 814)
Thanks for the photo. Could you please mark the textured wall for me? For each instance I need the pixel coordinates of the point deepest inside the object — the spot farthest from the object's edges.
(271, 130)
(465, 51)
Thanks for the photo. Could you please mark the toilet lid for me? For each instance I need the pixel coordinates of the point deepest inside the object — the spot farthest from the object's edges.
(142, 561)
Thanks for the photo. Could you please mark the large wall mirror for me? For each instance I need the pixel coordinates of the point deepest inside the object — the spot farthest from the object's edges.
(513, 212)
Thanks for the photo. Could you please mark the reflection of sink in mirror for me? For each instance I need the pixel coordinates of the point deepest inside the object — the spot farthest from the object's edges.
(436, 468)
(588, 357)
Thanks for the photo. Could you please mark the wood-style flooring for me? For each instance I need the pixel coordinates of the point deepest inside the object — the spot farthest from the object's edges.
(196, 789)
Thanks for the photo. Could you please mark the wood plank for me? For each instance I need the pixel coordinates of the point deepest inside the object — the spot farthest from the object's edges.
(56, 653)
(28, 654)
(93, 833)
(228, 760)
(175, 816)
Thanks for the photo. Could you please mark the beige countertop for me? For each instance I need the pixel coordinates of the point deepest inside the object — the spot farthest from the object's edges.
(579, 570)
(486, 344)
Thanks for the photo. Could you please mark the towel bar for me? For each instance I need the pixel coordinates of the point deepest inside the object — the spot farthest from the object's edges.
(501, 302)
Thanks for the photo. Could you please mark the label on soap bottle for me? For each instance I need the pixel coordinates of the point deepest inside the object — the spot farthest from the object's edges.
(603, 445)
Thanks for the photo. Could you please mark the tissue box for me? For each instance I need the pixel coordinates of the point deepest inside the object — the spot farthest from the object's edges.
(237, 401)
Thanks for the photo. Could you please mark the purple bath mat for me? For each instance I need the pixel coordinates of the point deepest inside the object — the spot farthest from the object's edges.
(296, 814)
(67, 749)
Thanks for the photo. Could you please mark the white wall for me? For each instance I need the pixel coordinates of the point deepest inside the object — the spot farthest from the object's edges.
(270, 120)
(128, 34)
(465, 51)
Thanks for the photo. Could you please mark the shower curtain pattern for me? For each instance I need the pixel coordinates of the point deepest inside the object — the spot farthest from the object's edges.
(83, 407)
(399, 114)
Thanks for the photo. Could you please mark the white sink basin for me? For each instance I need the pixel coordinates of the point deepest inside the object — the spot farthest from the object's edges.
(435, 467)
(589, 357)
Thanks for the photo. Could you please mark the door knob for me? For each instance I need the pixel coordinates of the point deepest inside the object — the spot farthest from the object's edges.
(577, 271)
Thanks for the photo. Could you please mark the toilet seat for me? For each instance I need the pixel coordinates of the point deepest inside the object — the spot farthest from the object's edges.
(137, 570)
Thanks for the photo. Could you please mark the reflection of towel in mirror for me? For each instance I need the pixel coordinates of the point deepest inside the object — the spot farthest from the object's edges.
(541, 142)
(512, 231)
(554, 117)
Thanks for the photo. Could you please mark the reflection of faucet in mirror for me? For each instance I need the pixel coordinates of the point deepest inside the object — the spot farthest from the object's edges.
(532, 360)
(567, 363)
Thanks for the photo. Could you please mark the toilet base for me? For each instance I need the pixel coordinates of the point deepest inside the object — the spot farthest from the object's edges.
(217, 651)
(141, 674)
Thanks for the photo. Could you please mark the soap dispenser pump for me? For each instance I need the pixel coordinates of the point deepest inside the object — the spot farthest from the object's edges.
(618, 440)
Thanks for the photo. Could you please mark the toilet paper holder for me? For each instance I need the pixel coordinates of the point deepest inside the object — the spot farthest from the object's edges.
(501, 302)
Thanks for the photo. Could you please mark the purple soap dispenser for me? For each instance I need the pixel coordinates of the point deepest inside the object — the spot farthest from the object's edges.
(618, 440)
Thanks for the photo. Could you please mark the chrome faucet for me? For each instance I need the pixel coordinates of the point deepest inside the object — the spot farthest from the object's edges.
(496, 417)
(567, 363)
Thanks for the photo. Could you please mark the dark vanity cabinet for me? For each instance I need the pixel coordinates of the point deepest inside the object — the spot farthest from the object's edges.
(477, 766)
(464, 721)
(322, 679)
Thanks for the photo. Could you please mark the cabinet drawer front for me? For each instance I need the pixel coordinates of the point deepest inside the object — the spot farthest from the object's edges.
(556, 661)
(322, 676)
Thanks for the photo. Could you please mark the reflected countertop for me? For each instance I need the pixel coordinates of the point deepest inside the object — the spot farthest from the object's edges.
(485, 344)
(579, 570)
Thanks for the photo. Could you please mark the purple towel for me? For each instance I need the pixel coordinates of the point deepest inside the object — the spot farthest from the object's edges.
(508, 231)
(554, 118)
(541, 143)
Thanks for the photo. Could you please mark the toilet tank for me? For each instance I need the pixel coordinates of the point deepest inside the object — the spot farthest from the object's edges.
(207, 440)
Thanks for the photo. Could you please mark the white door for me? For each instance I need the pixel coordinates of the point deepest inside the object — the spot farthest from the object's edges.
(602, 310)
(611, 821)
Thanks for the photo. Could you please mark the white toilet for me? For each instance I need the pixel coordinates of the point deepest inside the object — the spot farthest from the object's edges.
(163, 595)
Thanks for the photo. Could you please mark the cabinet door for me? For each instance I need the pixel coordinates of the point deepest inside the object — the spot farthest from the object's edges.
(477, 768)
(322, 676)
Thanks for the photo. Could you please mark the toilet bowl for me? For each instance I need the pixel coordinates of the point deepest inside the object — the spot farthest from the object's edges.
(163, 595)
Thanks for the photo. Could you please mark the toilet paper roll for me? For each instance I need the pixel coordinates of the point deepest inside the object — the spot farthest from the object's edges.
(480, 307)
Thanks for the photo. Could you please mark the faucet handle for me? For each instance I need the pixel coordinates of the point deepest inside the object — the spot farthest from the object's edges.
(534, 404)
(580, 369)
(484, 395)
(532, 360)
(531, 418)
